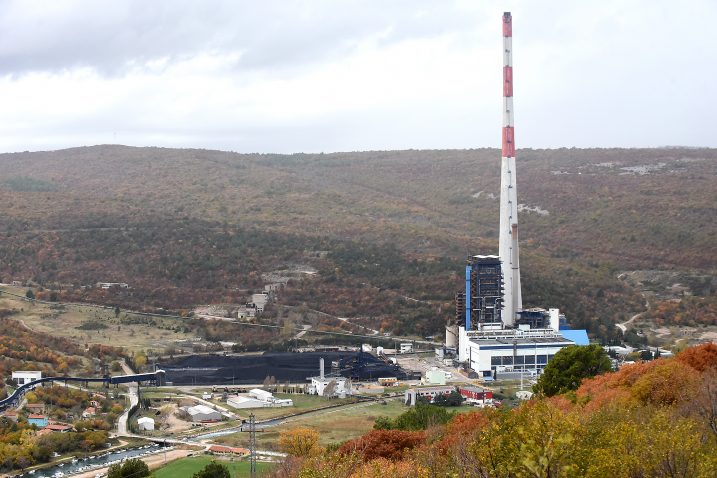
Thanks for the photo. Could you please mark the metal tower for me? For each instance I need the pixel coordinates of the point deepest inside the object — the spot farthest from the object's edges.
(252, 445)
(508, 237)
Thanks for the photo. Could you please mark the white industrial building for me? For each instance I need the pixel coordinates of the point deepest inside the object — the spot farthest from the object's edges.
(23, 377)
(341, 385)
(436, 377)
(488, 351)
(145, 424)
(203, 413)
(429, 393)
(258, 398)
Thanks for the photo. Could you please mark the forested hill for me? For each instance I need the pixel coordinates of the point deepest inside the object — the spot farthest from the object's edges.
(199, 222)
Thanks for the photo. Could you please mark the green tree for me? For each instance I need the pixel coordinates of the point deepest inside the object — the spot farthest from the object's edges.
(570, 366)
(420, 417)
(30, 294)
(213, 470)
(133, 468)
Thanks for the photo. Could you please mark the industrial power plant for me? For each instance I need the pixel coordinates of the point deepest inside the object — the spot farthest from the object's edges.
(493, 333)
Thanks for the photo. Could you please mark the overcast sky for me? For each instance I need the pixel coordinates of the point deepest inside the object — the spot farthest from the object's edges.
(314, 75)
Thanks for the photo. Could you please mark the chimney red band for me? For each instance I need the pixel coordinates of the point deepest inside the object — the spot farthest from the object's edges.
(507, 25)
(508, 142)
(507, 81)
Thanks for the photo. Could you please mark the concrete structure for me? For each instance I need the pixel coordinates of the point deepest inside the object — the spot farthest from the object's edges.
(145, 424)
(406, 347)
(366, 348)
(247, 311)
(22, 377)
(508, 233)
(435, 377)
(411, 395)
(476, 395)
(203, 413)
(451, 336)
(259, 300)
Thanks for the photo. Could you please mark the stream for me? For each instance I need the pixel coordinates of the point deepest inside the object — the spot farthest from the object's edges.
(100, 460)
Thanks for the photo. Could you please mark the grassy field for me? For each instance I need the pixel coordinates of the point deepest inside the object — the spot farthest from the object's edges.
(66, 320)
(333, 425)
(301, 403)
(186, 467)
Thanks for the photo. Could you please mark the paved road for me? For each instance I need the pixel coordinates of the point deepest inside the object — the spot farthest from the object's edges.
(122, 428)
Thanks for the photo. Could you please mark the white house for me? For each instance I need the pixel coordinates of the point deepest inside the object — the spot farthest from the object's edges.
(406, 347)
(203, 413)
(23, 377)
(145, 424)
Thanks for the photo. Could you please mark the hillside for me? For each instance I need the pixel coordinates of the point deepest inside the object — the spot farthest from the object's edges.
(652, 419)
(185, 227)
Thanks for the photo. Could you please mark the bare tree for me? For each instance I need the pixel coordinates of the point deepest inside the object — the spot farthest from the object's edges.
(330, 389)
(705, 401)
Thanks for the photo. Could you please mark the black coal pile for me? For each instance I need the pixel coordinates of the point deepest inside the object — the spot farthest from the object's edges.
(284, 367)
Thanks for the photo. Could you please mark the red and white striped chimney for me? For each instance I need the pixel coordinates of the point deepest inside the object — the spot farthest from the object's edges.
(508, 236)
(508, 127)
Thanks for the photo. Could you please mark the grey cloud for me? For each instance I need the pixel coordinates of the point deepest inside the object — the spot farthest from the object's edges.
(109, 35)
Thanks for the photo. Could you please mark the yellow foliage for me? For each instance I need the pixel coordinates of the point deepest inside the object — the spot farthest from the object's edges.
(300, 442)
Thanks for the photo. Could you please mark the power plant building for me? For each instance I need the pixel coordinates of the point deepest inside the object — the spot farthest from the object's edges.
(494, 333)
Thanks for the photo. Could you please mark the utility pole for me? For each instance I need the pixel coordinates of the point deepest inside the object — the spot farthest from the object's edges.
(252, 445)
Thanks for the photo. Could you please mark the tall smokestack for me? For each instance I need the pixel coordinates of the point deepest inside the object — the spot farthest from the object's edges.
(508, 244)
(321, 368)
